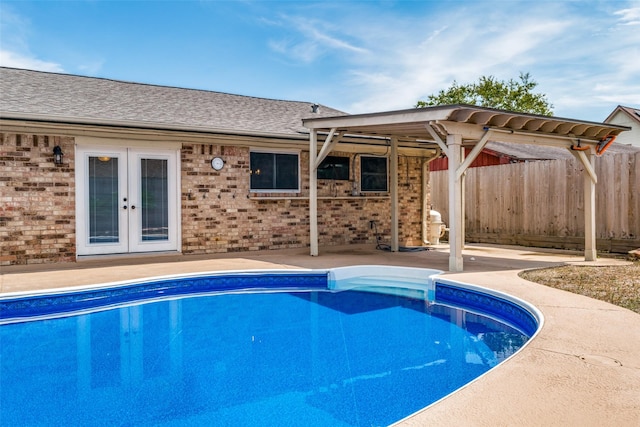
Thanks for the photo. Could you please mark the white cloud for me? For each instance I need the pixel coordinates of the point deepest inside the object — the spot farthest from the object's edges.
(91, 68)
(436, 33)
(14, 33)
(313, 39)
(467, 47)
(333, 42)
(629, 16)
(13, 28)
(568, 48)
(17, 60)
(295, 50)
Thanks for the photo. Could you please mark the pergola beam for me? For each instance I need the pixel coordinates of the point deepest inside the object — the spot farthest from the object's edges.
(473, 154)
(475, 132)
(328, 145)
(437, 138)
(587, 163)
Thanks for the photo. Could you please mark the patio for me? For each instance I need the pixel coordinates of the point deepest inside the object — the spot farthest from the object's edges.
(583, 368)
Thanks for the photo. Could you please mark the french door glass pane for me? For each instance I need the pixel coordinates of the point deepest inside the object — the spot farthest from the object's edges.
(103, 200)
(155, 193)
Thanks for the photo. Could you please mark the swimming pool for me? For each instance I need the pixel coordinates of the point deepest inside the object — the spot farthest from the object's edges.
(354, 346)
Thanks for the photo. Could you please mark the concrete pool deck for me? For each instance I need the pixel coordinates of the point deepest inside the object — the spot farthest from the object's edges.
(582, 369)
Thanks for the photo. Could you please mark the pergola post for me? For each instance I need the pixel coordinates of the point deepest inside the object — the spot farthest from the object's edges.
(394, 196)
(590, 181)
(590, 253)
(456, 203)
(313, 193)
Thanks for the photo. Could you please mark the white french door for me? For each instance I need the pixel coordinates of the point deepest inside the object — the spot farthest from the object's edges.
(127, 200)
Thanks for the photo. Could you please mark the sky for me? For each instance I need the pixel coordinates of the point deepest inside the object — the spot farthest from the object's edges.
(355, 56)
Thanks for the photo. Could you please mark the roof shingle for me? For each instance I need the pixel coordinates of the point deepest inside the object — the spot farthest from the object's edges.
(65, 97)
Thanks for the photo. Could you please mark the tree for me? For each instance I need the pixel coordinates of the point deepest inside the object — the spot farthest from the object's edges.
(511, 95)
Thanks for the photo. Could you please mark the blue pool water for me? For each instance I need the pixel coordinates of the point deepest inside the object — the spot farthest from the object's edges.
(269, 357)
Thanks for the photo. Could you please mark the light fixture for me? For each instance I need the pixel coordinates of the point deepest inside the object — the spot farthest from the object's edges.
(104, 158)
(57, 155)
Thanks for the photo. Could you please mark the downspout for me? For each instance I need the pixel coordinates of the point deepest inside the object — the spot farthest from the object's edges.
(425, 190)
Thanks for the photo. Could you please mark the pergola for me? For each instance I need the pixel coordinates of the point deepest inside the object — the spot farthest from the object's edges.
(448, 129)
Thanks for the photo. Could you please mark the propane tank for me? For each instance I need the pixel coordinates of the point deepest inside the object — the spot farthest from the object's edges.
(436, 227)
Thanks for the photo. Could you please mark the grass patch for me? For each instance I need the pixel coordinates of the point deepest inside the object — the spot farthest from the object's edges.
(619, 285)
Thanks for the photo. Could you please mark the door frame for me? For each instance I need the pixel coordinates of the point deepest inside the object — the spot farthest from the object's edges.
(90, 145)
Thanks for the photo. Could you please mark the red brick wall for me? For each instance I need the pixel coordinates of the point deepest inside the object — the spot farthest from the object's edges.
(219, 214)
(37, 200)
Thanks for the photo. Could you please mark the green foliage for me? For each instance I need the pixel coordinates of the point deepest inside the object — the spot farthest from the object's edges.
(489, 92)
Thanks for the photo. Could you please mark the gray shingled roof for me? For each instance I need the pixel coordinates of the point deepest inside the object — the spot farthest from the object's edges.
(29, 94)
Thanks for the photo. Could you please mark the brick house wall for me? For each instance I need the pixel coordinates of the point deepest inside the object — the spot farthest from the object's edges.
(219, 213)
(37, 200)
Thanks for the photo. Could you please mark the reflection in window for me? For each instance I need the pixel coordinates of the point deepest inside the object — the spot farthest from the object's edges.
(105, 348)
(155, 193)
(333, 167)
(373, 173)
(274, 171)
(103, 200)
(156, 337)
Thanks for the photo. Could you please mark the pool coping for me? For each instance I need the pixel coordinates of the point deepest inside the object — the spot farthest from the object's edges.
(583, 368)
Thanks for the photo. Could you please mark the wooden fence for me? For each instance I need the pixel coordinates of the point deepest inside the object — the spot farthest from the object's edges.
(541, 203)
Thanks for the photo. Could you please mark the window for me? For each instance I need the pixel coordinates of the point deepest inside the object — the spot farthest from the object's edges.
(373, 174)
(333, 167)
(274, 171)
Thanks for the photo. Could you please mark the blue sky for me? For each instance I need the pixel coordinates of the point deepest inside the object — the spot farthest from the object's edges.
(356, 56)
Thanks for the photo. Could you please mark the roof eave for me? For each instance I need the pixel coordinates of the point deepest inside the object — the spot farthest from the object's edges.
(141, 125)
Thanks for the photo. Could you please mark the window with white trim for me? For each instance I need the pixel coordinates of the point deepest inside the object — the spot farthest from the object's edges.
(275, 172)
(373, 174)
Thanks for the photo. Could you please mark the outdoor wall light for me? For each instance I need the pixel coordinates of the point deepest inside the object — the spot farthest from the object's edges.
(57, 155)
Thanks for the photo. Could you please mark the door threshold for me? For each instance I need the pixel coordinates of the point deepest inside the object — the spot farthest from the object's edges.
(137, 255)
